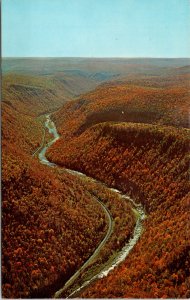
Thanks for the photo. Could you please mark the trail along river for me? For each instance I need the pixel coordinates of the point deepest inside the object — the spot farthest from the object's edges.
(123, 253)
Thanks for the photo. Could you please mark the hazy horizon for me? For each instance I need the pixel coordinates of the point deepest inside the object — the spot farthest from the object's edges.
(95, 57)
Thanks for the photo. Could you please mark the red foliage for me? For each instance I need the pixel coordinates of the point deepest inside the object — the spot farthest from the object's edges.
(150, 163)
(44, 224)
(48, 233)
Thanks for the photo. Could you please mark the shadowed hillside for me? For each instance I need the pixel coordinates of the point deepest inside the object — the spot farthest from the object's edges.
(126, 102)
(32, 95)
(51, 220)
(41, 215)
(75, 76)
(149, 160)
(151, 164)
(132, 133)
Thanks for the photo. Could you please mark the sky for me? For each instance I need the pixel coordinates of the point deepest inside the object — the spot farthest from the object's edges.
(96, 28)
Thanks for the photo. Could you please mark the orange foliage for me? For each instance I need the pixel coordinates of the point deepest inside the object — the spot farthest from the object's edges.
(51, 223)
(150, 163)
(45, 237)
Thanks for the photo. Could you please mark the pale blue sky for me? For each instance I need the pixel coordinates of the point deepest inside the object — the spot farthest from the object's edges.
(96, 28)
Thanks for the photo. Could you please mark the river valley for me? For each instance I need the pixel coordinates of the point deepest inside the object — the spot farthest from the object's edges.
(122, 254)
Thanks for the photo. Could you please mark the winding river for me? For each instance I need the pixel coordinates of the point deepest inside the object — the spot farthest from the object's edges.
(52, 130)
(123, 253)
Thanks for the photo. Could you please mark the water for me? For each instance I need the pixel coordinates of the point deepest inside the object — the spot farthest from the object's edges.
(52, 130)
(122, 254)
(137, 207)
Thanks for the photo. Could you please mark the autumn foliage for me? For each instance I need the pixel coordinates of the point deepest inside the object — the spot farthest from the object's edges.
(131, 134)
(51, 220)
(114, 102)
(47, 232)
(150, 163)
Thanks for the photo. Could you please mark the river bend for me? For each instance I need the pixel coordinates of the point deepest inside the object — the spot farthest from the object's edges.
(123, 253)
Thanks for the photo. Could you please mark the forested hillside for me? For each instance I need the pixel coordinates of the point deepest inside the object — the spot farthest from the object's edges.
(150, 162)
(131, 132)
(124, 102)
(43, 222)
(51, 220)
(32, 95)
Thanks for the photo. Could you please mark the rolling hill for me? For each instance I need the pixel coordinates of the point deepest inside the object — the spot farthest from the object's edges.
(135, 138)
(124, 122)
